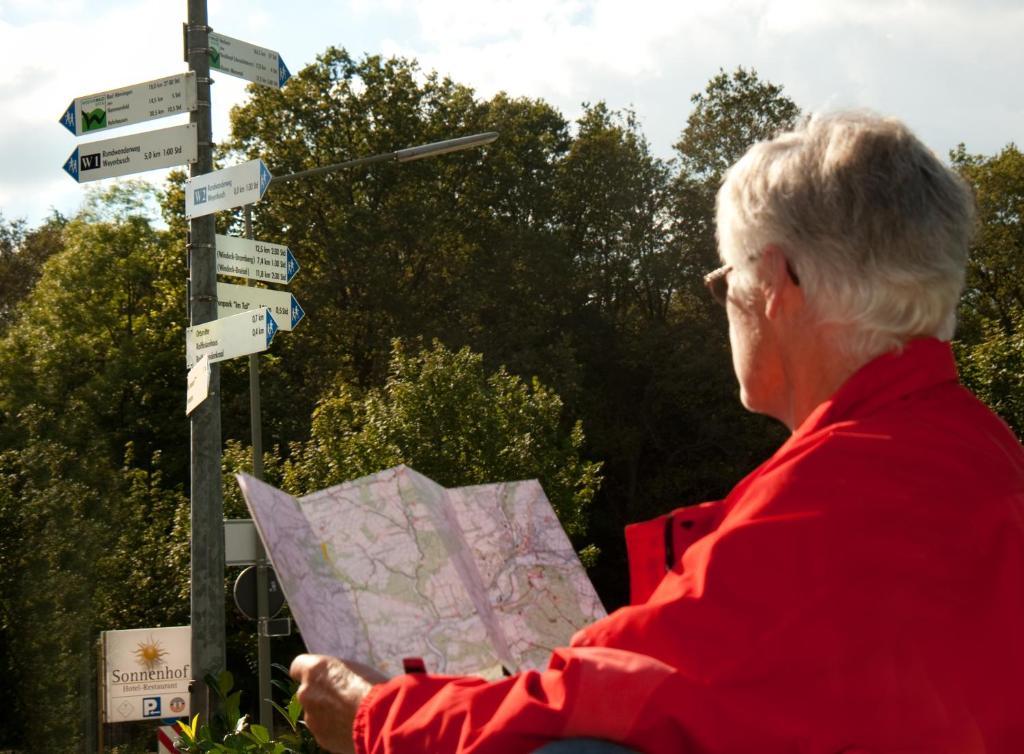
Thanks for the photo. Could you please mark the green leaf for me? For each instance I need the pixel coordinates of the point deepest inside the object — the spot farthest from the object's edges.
(225, 682)
(286, 714)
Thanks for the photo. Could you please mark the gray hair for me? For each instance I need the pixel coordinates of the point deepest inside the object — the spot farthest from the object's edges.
(874, 225)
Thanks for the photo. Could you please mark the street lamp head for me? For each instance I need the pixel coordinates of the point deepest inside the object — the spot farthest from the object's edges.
(443, 147)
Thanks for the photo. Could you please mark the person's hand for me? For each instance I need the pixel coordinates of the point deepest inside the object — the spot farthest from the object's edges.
(330, 691)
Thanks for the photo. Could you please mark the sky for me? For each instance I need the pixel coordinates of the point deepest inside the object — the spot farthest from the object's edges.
(950, 68)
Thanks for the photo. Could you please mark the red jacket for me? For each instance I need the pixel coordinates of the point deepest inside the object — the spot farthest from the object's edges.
(862, 590)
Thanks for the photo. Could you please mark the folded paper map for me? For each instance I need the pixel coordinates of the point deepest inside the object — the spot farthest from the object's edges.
(394, 565)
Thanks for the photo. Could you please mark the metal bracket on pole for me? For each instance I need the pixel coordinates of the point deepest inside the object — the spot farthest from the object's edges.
(185, 29)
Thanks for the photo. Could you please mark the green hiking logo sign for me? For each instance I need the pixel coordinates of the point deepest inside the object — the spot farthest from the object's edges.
(214, 58)
(94, 120)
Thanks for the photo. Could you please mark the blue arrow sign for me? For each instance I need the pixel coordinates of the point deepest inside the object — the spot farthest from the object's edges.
(271, 327)
(297, 313)
(293, 265)
(71, 166)
(68, 119)
(283, 74)
(265, 177)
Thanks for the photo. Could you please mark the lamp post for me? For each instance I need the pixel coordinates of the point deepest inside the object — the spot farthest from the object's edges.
(402, 155)
(262, 577)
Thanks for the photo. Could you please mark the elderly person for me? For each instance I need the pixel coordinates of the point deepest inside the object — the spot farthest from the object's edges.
(863, 589)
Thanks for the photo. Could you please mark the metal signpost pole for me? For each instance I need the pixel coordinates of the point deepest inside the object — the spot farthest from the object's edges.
(262, 579)
(208, 631)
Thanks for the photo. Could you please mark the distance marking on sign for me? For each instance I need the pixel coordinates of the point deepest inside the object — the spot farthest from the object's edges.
(137, 103)
(136, 153)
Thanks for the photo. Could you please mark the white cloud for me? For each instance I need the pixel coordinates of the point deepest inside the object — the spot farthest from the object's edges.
(949, 67)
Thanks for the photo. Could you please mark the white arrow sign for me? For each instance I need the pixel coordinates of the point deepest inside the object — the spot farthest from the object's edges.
(198, 384)
(240, 335)
(131, 104)
(232, 299)
(226, 189)
(136, 153)
(247, 61)
(256, 260)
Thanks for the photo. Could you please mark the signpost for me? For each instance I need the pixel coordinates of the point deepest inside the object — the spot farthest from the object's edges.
(136, 153)
(146, 673)
(226, 189)
(240, 335)
(131, 104)
(247, 61)
(198, 384)
(283, 306)
(255, 260)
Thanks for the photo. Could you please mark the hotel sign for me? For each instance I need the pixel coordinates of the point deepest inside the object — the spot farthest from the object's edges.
(146, 673)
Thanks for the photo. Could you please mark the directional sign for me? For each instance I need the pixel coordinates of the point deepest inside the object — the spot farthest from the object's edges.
(240, 335)
(198, 384)
(136, 153)
(256, 260)
(232, 299)
(247, 61)
(226, 189)
(131, 104)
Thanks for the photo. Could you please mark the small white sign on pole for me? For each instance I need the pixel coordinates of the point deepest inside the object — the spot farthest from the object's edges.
(146, 673)
(285, 308)
(198, 384)
(131, 104)
(240, 335)
(247, 61)
(256, 260)
(136, 153)
(226, 189)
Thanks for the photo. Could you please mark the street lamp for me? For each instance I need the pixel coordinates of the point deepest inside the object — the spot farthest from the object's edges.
(402, 155)
(262, 576)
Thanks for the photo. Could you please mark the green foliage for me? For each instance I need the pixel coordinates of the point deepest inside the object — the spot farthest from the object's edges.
(734, 111)
(91, 372)
(22, 255)
(230, 732)
(995, 273)
(993, 369)
(98, 346)
(441, 413)
(990, 336)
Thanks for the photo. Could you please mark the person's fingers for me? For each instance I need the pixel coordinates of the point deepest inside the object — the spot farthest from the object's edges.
(303, 664)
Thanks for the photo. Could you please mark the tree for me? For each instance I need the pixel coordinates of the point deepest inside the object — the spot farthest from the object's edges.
(441, 413)
(92, 371)
(459, 248)
(995, 272)
(98, 345)
(613, 199)
(990, 336)
(22, 255)
(733, 112)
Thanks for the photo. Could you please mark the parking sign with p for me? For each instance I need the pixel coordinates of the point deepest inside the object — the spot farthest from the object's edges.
(151, 706)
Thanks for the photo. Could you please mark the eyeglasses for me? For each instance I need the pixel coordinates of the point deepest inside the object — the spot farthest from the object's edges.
(717, 281)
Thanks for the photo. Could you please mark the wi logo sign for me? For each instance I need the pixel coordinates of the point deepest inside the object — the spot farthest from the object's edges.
(89, 161)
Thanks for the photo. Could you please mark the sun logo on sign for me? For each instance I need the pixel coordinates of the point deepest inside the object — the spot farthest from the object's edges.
(149, 654)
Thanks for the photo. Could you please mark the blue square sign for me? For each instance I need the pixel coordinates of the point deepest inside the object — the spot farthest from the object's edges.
(151, 706)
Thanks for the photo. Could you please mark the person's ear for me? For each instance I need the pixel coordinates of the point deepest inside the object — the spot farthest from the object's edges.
(780, 289)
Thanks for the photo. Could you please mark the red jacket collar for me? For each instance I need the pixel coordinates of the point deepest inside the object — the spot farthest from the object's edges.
(920, 364)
